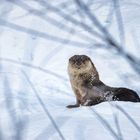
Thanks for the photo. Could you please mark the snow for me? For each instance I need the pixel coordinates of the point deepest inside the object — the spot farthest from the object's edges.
(35, 87)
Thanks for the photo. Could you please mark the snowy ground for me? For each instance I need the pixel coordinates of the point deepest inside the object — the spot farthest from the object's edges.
(35, 45)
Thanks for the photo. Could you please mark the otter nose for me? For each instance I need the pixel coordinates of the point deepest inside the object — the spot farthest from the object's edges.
(78, 63)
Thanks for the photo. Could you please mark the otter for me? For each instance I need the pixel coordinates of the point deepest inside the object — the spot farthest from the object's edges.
(89, 89)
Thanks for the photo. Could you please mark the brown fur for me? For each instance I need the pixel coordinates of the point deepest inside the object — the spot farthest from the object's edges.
(88, 88)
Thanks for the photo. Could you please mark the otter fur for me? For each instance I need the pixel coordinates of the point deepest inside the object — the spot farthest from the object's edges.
(89, 89)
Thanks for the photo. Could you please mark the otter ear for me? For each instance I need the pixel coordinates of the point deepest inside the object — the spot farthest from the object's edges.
(70, 59)
(87, 57)
(91, 61)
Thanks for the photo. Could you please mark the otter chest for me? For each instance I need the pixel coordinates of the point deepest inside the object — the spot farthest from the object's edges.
(76, 81)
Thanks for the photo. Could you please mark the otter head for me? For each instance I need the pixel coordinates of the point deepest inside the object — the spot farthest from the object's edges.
(80, 64)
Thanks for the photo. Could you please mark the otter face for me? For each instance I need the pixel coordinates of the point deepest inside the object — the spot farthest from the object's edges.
(80, 63)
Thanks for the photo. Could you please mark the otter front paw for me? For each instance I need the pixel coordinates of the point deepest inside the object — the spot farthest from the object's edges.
(73, 106)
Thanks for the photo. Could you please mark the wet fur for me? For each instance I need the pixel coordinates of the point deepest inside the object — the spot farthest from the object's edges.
(88, 88)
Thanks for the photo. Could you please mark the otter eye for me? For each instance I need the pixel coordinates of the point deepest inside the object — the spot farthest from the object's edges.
(84, 61)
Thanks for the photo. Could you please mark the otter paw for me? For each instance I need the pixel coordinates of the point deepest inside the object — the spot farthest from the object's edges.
(72, 106)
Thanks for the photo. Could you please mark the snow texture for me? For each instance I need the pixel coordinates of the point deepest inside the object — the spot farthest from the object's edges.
(37, 37)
